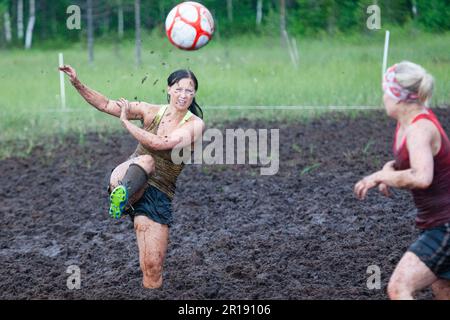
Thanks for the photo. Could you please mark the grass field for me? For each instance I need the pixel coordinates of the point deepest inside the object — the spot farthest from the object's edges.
(340, 71)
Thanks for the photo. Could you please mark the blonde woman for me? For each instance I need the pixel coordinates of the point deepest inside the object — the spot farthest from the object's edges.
(421, 164)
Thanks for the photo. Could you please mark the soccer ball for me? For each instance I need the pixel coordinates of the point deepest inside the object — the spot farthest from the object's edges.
(189, 25)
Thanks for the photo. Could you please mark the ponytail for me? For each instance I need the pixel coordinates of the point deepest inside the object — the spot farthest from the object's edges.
(426, 87)
(416, 79)
(195, 109)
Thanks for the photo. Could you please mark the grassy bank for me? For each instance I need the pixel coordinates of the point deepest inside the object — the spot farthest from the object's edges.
(333, 71)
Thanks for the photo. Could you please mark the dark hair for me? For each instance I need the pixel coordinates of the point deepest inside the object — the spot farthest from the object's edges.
(178, 75)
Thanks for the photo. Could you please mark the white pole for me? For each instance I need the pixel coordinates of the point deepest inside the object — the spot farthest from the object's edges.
(61, 82)
(386, 49)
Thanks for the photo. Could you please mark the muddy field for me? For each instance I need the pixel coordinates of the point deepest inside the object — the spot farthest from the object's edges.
(299, 234)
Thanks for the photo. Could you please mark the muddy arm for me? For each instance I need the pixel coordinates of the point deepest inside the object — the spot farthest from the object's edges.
(150, 140)
(420, 175)
(180, 138)
(96, 99)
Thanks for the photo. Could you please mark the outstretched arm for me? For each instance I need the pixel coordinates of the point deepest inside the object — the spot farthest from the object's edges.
(98, 100)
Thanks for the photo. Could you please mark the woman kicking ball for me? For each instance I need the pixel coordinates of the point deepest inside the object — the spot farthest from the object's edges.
(422, 164)
(144, 185)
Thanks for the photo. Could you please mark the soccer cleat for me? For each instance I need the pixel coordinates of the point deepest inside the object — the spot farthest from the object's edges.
(118, 201)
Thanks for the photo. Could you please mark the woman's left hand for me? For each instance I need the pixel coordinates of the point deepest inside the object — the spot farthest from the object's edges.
(125, 107)
(362, 186)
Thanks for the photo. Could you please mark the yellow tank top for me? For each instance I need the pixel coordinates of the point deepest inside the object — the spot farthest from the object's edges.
(166, 172)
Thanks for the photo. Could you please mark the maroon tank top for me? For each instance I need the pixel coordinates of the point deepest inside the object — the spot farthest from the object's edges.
(432, 203)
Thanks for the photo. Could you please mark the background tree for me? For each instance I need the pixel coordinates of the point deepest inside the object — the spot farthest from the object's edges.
(4, 13)
(137, 18)
(259, 7)
(230, 10)
(120, 19)
(30, 25)
(117, 19)
(20, 19)
(90, 30)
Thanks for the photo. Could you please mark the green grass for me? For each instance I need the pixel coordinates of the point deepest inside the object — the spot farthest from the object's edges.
(309, 169)
(247, 71)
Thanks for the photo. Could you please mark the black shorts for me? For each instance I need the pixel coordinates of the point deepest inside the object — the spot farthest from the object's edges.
(433, 248)
(155, 205)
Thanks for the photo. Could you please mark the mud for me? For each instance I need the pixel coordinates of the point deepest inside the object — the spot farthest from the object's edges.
(299, 234)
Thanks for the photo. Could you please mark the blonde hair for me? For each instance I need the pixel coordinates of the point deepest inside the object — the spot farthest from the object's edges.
(416, 79)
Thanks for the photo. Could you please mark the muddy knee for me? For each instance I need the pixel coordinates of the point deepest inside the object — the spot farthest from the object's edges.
(153, 267)
(152, 270)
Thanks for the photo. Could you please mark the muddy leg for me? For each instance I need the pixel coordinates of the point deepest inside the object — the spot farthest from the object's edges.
(152, 239)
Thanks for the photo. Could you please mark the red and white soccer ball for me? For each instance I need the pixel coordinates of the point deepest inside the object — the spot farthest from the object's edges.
(189, 25)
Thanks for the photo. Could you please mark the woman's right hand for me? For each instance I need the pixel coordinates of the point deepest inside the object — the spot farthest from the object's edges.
(124, 109)
(67, 69)
(382, 187)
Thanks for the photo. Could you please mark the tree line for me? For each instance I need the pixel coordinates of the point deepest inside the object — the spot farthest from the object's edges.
(24, 22)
